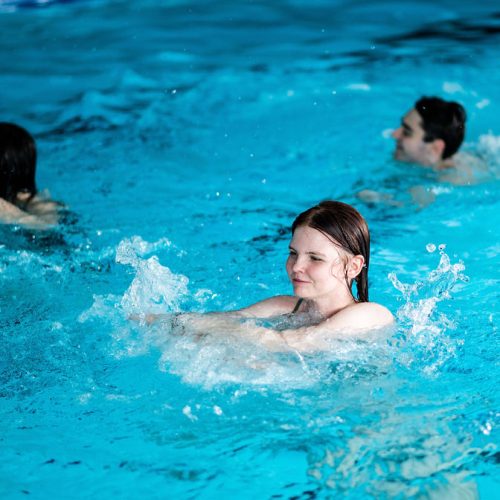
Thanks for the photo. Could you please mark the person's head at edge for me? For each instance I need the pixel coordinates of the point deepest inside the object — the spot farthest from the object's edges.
(337, 252)
(17, 164)
(430, 133)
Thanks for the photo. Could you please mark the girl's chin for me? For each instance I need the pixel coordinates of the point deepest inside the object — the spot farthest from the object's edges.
(300, 290)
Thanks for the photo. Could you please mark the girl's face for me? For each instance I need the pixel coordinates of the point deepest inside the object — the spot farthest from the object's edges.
(316, 266)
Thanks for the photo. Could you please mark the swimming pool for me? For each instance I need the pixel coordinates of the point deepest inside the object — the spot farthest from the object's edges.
(185, 138)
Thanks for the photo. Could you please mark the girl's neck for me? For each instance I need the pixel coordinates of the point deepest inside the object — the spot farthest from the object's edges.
(327, 308)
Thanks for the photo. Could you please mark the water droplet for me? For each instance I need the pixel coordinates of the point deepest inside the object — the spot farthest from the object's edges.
(430, 247)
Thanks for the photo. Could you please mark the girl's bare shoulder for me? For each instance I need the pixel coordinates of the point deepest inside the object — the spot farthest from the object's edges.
(362, 315)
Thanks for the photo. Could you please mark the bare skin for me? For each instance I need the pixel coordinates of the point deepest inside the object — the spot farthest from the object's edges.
(411, 147)
(40, 213)
(317, 268)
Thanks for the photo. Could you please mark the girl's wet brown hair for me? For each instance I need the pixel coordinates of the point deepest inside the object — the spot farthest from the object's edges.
(346, 227)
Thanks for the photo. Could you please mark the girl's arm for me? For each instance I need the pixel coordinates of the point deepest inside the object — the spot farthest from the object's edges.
(353, 321)
(267, 308)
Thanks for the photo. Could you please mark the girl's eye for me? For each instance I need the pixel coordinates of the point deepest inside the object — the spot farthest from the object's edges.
(316, 259)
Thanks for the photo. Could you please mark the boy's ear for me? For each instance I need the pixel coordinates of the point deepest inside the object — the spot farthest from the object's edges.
(438, 147)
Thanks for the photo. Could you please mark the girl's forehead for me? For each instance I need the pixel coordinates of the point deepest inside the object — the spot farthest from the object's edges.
(310, 239)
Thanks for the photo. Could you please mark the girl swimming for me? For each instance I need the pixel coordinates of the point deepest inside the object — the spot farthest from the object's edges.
(329, 252)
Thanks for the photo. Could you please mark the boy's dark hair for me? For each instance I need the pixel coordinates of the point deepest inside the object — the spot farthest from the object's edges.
(442, 120)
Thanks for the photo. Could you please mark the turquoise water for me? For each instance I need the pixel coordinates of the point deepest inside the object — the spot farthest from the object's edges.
(185, 137)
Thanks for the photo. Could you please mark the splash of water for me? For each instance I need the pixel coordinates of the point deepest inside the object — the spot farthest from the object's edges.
(155, 288)
(423, 324)
(218, 358)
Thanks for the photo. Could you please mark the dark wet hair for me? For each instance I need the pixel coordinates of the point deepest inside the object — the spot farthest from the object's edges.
(346, 226)
(17, 162)
(442, 120)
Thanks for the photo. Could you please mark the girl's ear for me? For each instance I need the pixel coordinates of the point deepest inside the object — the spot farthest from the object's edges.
(355, 266)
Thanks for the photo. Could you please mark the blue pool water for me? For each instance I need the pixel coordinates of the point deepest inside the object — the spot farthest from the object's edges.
(185, 137)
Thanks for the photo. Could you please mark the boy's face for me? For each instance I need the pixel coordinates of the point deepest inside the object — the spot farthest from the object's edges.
(410, 145)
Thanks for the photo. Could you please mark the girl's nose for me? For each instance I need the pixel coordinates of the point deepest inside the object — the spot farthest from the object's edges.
(298, 265)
